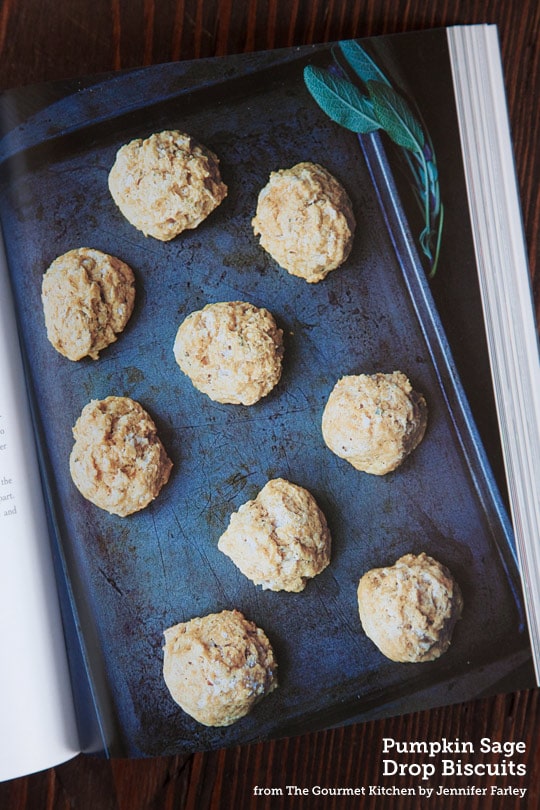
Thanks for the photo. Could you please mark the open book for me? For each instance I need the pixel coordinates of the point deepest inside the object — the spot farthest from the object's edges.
(431, 281)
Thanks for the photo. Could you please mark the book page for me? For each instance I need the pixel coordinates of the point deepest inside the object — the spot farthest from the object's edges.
(135, 574)
(36, 709)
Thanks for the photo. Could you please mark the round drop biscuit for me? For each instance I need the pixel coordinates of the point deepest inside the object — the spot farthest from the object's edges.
(231, 351)
(118, 461)
(374, 421)
(280, 539)
(305, 221)
(166, 184)
(88, 298)
(409, 610)
(217, 667)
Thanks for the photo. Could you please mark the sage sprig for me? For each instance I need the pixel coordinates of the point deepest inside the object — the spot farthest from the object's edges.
(341, 100)
(381, 107)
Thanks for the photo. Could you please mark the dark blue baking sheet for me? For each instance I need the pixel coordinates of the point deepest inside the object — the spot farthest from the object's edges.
(136, 576)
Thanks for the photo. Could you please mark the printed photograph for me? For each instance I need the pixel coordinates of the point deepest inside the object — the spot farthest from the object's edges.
(256, 357)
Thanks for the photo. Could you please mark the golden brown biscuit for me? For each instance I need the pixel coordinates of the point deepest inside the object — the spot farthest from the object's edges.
(166, 183)
(409, 610)
(374, 421)
(280, 539)
(118, 462)
(231, 351)
(88, 298)
(217, 667)
(305, 221)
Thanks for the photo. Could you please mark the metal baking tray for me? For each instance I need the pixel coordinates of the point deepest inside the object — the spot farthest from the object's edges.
(133, 577)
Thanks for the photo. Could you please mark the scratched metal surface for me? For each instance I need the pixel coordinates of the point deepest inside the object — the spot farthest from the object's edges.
(138, 575)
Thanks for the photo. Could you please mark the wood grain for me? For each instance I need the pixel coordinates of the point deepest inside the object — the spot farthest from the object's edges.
(42, 40)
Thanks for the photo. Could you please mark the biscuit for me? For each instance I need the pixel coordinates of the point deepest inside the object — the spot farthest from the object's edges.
(410, 609)
(118, 462)
(88, 298)
(305, 221)
(280, 539)
(217, 667)
(166, 183)
(231, 351)
(374, 421)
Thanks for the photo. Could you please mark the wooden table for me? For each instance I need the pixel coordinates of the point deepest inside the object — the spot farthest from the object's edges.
(42, 40)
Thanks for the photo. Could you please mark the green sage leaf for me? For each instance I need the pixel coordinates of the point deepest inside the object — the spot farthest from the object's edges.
(395, 117)
(425, 241)
(362, 64)
(341, 100)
